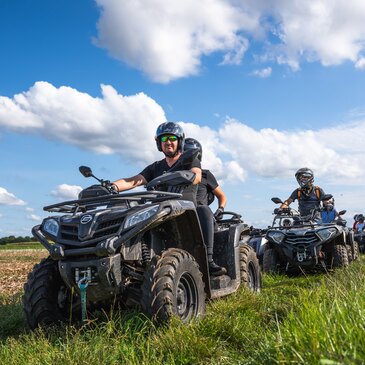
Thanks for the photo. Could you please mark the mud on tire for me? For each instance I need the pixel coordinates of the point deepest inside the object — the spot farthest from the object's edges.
(173, 285)
(41, 295)
(250, 268)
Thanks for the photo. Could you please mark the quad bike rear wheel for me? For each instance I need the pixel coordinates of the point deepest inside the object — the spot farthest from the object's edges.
(173, 285)
(340, 256)
(250, 268)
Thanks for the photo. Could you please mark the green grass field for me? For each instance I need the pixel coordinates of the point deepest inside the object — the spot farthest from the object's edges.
(316, 319)
(21, 246)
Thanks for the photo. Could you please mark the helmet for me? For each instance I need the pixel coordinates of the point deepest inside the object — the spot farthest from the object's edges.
(304, 177)
(329, 203)
(360, 217)
(170, 128)
(191, 143)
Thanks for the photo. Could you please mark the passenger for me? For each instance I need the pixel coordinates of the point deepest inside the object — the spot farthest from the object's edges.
(360, 224)
(207, 189)
(308, 196)
(170, 140)
(328, 211)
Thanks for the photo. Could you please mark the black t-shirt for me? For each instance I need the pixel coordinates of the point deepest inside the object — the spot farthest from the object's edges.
(159, 168)
(307, 202)
(206, 187)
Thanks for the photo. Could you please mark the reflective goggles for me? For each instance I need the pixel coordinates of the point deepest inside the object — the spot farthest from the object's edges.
(170, 138)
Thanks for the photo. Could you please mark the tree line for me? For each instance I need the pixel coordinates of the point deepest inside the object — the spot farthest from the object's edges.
(13, 239)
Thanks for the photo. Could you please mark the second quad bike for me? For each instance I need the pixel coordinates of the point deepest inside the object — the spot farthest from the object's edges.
(140, 249)
(296, 243)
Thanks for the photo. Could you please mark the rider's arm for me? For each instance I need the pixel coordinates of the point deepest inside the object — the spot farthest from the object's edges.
(219, 193)
(286, 203)
(130, 182)
(198, 175)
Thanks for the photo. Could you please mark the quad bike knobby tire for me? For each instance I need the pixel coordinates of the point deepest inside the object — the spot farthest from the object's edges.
(270, 261)
(173, 285)
(42, 294)
(352, 248)
(340, 256)
(250, 268)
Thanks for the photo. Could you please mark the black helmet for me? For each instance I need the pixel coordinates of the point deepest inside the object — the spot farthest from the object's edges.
(360, 217)
(191, 143)
(170, 128)
(304, 177)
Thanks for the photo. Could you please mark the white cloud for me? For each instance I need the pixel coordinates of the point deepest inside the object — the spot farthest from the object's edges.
(103, 125)
(167, 40)
(34, 217)
(30, 210)
(273, 153)
(66, 192)
(360, 63)
(7, 198)
(263, 73)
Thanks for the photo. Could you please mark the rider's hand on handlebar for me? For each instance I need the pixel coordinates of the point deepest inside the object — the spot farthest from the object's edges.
(219, 213)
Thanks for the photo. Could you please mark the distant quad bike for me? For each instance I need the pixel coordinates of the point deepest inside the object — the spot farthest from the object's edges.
(360, 239)
(139, 249)
(296, 243)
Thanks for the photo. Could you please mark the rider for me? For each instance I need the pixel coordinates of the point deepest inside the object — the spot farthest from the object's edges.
(360, 224)
(207, 189)
(309, 196)
(170, 140)
(328, 212)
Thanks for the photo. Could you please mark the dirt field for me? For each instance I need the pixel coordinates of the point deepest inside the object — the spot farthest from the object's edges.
(14, 268)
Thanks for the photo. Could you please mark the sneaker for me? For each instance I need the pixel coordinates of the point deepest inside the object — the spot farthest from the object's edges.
(215, 269)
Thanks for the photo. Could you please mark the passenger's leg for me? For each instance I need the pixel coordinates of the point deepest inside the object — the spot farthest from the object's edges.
(206, 219)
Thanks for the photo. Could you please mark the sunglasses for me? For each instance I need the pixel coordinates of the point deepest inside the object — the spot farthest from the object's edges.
(168, 138)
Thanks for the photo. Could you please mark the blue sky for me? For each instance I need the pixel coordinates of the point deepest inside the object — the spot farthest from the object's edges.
(267, 89)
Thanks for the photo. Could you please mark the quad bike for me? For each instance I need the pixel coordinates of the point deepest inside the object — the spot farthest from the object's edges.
(258, 242)
(297, 243)
(139, 249)
(360, 239)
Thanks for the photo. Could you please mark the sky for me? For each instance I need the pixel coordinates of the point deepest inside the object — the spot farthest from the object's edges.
(266, 87)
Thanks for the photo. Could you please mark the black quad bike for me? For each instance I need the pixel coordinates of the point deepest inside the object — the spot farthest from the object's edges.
(296, 243)
(139, 249)
(360, 239)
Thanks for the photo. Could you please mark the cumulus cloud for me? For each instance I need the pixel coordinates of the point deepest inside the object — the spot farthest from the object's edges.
(167, 40)
(272, 153)
(263, 73)
(7, 198)
(34, 217)
(102, 125)
(66, 192)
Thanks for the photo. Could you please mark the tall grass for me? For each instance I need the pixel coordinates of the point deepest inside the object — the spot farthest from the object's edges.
(316, 319)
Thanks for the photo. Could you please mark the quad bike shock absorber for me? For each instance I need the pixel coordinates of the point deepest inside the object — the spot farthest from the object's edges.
(146, 255)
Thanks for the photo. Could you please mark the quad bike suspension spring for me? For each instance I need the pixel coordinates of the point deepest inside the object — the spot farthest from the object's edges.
(146, 255)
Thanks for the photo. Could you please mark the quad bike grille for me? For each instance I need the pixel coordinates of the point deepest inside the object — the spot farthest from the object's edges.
(306, 240)
(103, 229)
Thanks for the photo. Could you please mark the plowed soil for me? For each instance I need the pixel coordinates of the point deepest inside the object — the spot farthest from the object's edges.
(14, 268)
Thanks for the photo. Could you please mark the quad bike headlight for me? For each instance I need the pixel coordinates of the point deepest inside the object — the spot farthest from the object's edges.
(276, 236)
(51, 226)
(325, 234)
(140, 216)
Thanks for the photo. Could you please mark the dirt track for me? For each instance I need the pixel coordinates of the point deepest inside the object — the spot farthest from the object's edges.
(14, 268)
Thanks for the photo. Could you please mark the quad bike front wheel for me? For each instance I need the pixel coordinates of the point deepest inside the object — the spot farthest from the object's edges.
(249, 268)
(270, 261)
(46, 299)
(173, 285)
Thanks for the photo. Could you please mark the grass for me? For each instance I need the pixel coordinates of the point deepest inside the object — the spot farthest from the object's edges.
(21, 246)
(317, 319)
